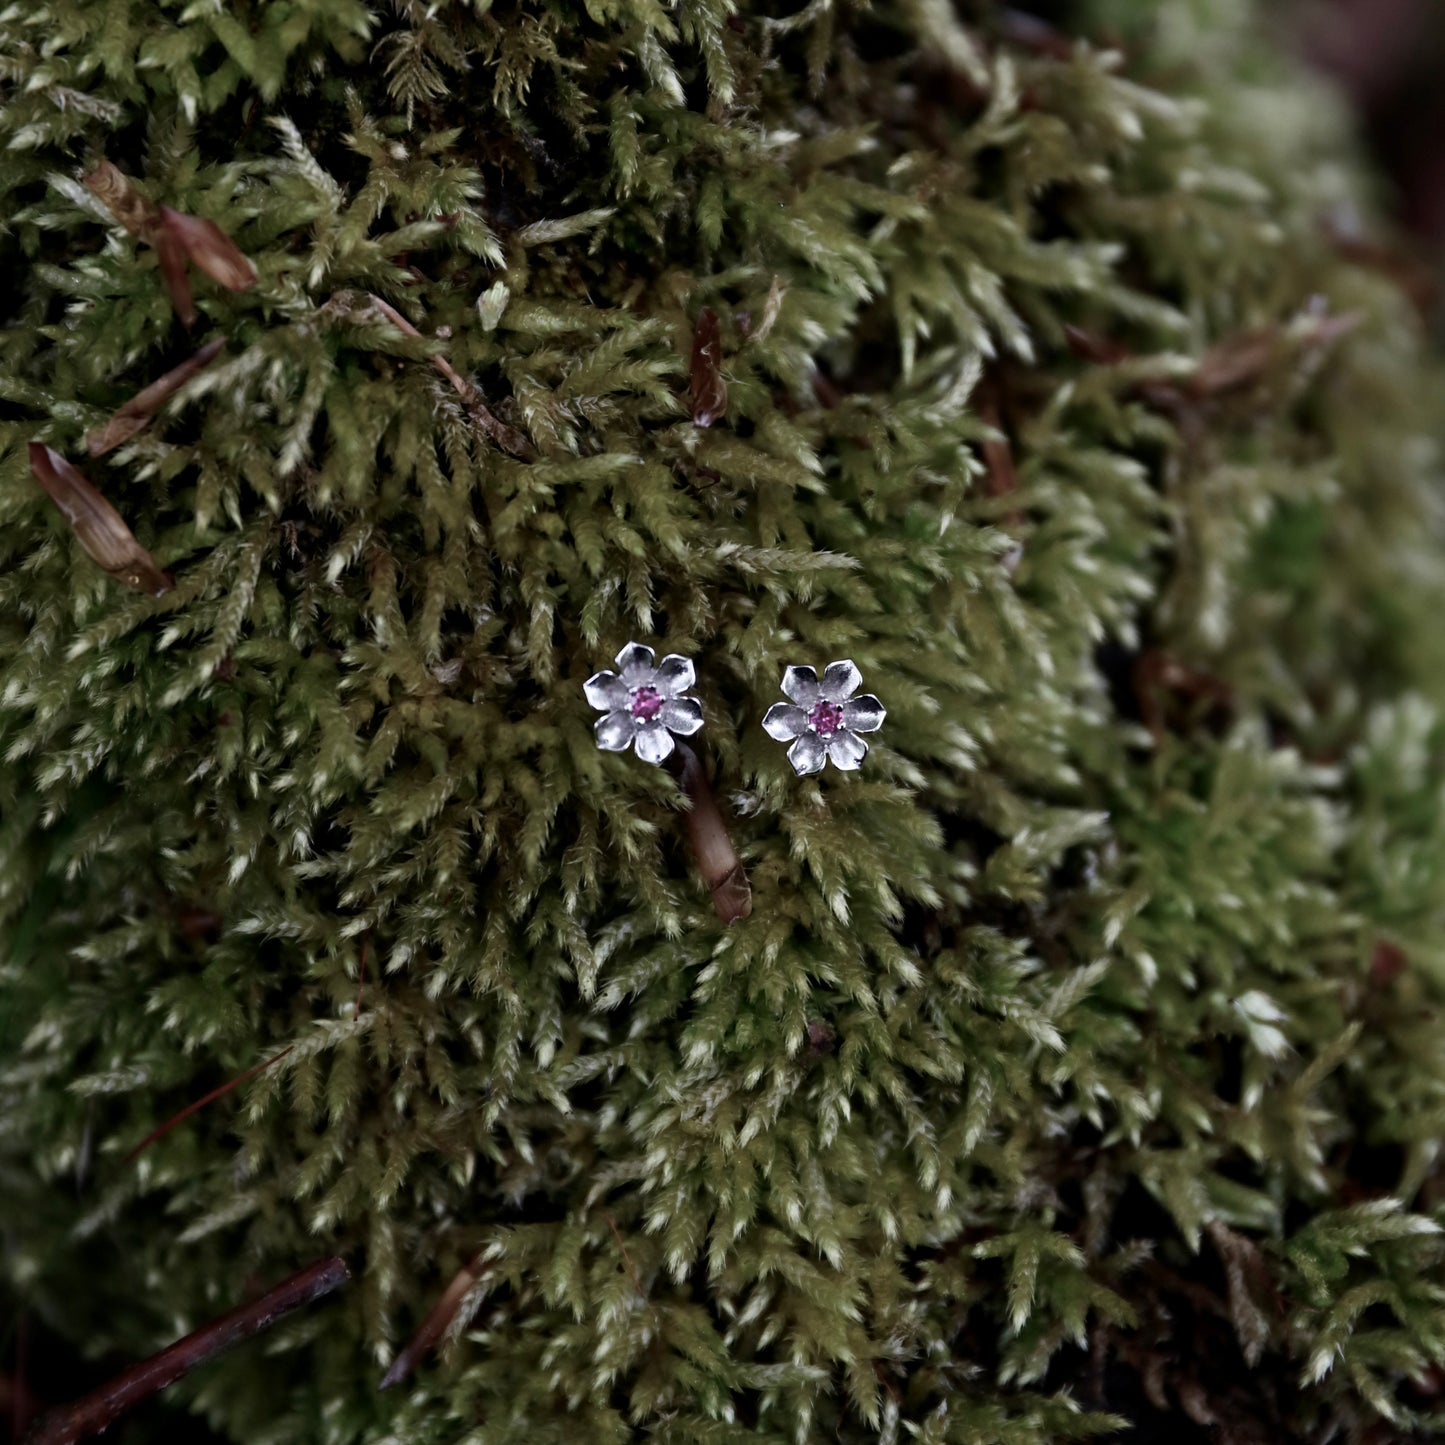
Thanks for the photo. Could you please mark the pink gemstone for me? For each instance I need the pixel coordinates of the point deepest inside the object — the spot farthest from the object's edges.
(646, 703)
(826, 718)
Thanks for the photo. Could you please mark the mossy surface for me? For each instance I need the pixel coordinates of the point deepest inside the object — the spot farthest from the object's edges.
(1078, 1062)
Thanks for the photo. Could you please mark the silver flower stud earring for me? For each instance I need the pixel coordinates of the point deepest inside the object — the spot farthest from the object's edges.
(824, 719)
(644, 703)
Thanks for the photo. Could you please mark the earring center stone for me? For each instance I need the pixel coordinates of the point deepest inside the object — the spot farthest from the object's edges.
(826, 718)
(646, 704)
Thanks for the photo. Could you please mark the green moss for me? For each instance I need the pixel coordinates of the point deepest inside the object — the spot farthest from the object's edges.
(1052, 1041)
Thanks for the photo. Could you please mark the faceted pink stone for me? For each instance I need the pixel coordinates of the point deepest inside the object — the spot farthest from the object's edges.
(826, 718)
(646, 703)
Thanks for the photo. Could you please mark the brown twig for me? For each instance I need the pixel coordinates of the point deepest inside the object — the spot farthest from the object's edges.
(707, 836)
(1001, 476)
(708, 391)
(134, 415)
(201, 1103)
(1231, 365)
(1156, 673)
(98, 527)
(1387, 962)
(100, 1409)
(434, 1325)
(506, 437)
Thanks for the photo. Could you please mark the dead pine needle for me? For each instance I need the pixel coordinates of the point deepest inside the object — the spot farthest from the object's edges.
(139, 410)
(626, 1258)
(434, 1326)
(101, 1408)
(198, 1104)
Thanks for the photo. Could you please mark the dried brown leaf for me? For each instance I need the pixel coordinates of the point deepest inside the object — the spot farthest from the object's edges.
(134, 415)
(172, 257)
(97, 525)
(709, 391)
(998, 458)
(1241, 359)
(177, 237)
(210, 248)
(1248, 1276)
(1091, 346)
(1235, 360)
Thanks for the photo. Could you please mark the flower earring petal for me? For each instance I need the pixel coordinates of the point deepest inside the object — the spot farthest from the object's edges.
(841, 680)
(675, 674)
(653, 742)
(615, 732)
(801, 684)
(784, 722)
(864, 714)
(846, 750)
(808, 754)
(607, 692)
(634, 662)
(824, 719)
(681, 715)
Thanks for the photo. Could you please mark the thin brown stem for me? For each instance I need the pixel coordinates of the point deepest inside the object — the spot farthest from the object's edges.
(626, 1258)
(100, 1409)
(506, 437)
(707, 836)
(434, 1325)
(201, 1103)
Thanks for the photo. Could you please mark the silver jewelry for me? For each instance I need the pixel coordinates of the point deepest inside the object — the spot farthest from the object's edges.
(824, 719)
(644, 703)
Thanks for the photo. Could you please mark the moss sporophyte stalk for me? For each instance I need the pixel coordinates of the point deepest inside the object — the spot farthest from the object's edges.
(1012, 1068)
